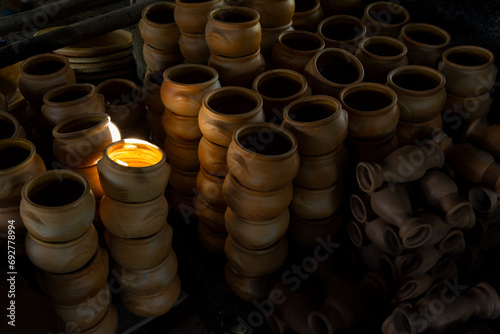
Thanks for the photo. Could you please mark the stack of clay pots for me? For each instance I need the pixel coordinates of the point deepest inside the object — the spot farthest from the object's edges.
(320, 125)
(223, 111)
(134, 175)
(191, 18)
(152, 86)
(262, 160)
(58, 208)
(233, 36)
(161, 36)
(182, 92)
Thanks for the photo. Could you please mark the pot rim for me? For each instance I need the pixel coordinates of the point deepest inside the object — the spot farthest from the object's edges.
(252, 94)
(269, 31)
(370, 86)
(171, 256)
(240, 220)
(255, 16)
(133, 205)
(417, 69)
(256, 193)
(313, 98)
(468, 48)
(386, 4)
(334, 218)
(105, 156)
(428, 28)
(280, 72)
(387, 40)
(57, 246)
(342, 18)
(40, 59)
(174, 284)
(316, 6)
(13, 121)
(320, 192)
(327, 156)
(167, 4)
(18, 142)
(152, 239)
(104, 118)
(110, 82)
(237, 60)
(307, 35)
(154, 51)
(181, 67)
(57, 91)
(346, 55)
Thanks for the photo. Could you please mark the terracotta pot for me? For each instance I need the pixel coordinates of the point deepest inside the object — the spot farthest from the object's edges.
(439, 228)
(62, 257)
(10, 127)
(75, 287)
(270, 37)
(158, 27)
(342, 31)
(379, 56)
(317, 172)
(306, 233)
(487, 136)
(124, 101)
(413, 287)
(132, 170)
(255, 204)
(425, 42)
(194, 47)
(482, 199)
(160, 60)
(469, 70)
(210, 188)
(211, 241)
(191, 16)
(212, 218)
(263, 156)
(308, 14)
(256, 263)
(152, 86)
(332, 69)
(213, 157)
(182, 155)
(372, 108)
(294, 49)
(20, 162)
(453, 243)
(466, 108)
(108, 324)
(316, 204)
(41, 73)
(278, 88)
(341, 7)
(385, 18)
(256, 234)
(249, 288)
(364, 150)
(238, 71)
(57, 206)
(92, 175)
(318, 122)
(120, 218)
(233, 31)
(392, 204)
(417, 132)
(183, 182)
(140, 253)
(384, 236)
(416, 262)
(181, 128)
(225, 110)
(371, 175)
(155, 304)
(361, 208)
(274, 13)
(441, 192)
(185, 85)
(80, 140)
(147, 281)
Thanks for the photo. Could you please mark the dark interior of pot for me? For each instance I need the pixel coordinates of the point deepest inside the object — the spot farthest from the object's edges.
(341, 30)
(312, 111)
(279, 86)
(7, 128)
(415, 80)
(190, 75)
(43, 66)
(12, 155)
(82, 124)
(425, 36)
(118, 93)
(304, 5)
(388, 14)
(383, 48)
(265, 140)
(233, 15)
(161, 14)
(56, 190)
(232, 102)
(72, 94)
(336, 68)
(301, 41)
(367, 99)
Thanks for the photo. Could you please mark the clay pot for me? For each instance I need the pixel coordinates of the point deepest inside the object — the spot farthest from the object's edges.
(371, 175)
(62, 257)
(249, 288)
(184, 182)
(316, 204)
(256, 234)
(152, 305)
(75, 287)
(420, 90)
(19, 163)
(210, 188)
(238, 71)
(469, 70)
(254, 204)
(140, 253)
(80, 140)
(278, 88)
(385, 18)
(120, 218)
(306, 233)
(372, 108)
(384, 236)
(108, 324)
(318, 122)
(417, 132)
(158, 27)
(182, 155)
(342, 31)
(10, 127)
(466, 108)
(92, 175)
(270, 37)
(132, 170)
(124, 101)
(453, 243)
(57, 206)
(256, 263)
(213, 157)
(416, 262)
(317, 172)
(294, 49)
(225, 110)
(413, 287)
(193, 48)
(378, 261)
(356, 233)
(233, 31)
(274, 13)
(379, 56)
(152, 86)
(439, 228)
(425, 42)
(487, 136)
(41, 73)
(212, 218)
(341, 7)
(160, 60)
(332, 69)
(364, 150)
(181, 128)
(211, 241)
(185, 85)
(441, 192)
(147, 281)
(263, 156)
(482, 199)
(191, 16)
(308, 14)
(361, 208)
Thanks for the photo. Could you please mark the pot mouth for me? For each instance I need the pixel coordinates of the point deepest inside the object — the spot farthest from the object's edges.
(301, 41)
(368, 98)
(80, 124)
(343, 28)
(358, 208)
(312, 110)
(120, 92)
(387, 14)
(233, 15)
(383, 47)
(280, 84)
(338, 67)
(8, 125)
(416, 79)
(190, 75)
(44, 65)
(159, 14)
(303, 7)
(69, 94)
(15, 153)
(355, 233)
(134, 153)
(233, 102)
(468, 57)
(425, 35)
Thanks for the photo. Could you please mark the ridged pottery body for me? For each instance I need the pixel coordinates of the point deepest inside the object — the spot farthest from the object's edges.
(192, 16)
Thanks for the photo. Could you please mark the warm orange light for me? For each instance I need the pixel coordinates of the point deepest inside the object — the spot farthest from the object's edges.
(135, 153)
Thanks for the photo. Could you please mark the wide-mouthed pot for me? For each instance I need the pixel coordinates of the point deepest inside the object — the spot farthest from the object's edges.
(10, 128)
(158, 27)
(342, 31)
(385, 18)
(192, 15)
(295, 48)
